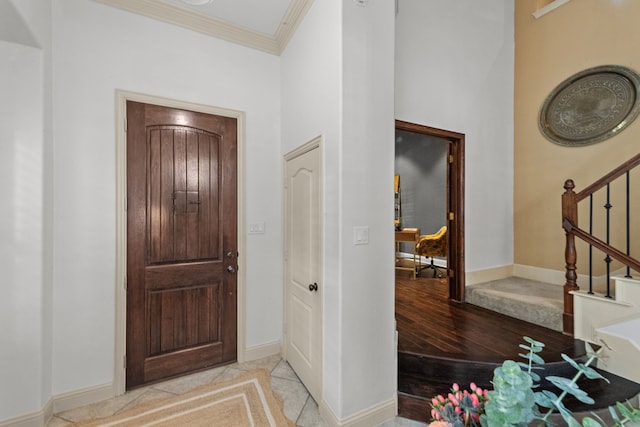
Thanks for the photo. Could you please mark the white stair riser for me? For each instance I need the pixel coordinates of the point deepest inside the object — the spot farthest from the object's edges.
(621, 349)
(593, 311)
(613, 323)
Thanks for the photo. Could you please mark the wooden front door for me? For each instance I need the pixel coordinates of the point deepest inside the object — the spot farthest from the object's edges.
(181, 242)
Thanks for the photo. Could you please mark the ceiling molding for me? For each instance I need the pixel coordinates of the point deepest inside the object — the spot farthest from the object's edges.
(163, 11)
(290, 22)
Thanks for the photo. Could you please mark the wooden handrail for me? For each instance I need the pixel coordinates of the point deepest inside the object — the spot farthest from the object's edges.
(616, 173)
(597, 243)
(570, 201)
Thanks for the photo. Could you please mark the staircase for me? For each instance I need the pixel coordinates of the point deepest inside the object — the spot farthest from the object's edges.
(614, 323)
(612, 319)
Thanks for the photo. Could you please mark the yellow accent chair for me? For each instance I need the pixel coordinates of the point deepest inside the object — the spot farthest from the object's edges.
(432, 245)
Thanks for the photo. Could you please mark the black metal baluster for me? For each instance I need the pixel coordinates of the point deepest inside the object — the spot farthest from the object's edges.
(628, 275)
(591, 246)
(607, 259)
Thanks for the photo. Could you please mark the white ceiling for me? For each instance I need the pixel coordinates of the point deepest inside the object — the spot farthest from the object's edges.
(261, 24)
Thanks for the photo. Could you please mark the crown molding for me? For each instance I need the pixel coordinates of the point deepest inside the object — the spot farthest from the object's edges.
(290, 22)
(167, 12)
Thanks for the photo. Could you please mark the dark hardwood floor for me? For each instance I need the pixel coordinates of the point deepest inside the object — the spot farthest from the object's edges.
(441, 342)
(429, 323)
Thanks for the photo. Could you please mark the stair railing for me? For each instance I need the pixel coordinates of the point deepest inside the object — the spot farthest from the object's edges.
(570, 200)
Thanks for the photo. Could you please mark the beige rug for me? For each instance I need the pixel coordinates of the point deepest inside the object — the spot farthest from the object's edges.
(247, 400)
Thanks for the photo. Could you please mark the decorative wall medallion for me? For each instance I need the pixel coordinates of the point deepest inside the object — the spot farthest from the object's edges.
(591, 106)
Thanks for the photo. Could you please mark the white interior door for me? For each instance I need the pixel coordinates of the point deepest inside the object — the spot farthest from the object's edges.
(303, 261)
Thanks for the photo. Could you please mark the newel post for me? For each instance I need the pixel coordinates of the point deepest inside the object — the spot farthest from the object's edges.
(569, 220)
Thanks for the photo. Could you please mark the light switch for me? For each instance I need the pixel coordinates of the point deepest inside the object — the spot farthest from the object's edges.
(361, 235)
(256, 228)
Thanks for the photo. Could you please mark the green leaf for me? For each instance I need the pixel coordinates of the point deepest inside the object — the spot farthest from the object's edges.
(572, 388)
(533, 342)
(592, 374)
(545, 401)
(560, 406)
(590, 422)
(571, 361)
(630, 412)
(566, 416)
(614, 414)
(533, 357)
(535, 377)
(561, 382)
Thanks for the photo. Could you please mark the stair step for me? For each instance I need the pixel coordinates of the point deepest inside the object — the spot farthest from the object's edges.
(422, 377)
(529, 300)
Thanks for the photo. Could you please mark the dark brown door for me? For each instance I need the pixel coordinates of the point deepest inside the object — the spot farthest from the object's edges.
(181, 242)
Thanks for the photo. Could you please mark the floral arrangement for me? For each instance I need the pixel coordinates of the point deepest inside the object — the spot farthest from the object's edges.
(459, 405)
(512, 402)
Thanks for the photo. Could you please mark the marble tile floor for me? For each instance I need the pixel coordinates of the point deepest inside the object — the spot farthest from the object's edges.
(298, 404)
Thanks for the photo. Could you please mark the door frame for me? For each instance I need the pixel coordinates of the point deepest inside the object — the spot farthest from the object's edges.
(455, 203)
(122, 96)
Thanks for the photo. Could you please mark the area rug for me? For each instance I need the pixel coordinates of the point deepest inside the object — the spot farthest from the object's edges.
(247, 400)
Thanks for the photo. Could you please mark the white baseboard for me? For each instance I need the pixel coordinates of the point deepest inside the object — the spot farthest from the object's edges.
(77, 398)
(555, 277)
(373, 416)
(260, 351)
(85, 396)
(487, 275)
(61, 402)
(35, 419)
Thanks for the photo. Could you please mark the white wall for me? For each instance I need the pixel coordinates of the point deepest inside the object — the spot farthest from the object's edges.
(99, 49)
(366, 169)
(454, 71)
(21, 151)
(337, 76)
(311, 91)
(24, 136)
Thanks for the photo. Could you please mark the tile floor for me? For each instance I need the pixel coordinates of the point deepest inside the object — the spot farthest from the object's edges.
(298, 404)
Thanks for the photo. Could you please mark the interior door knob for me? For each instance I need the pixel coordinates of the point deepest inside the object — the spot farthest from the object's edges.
(231, 269)
(313, 287)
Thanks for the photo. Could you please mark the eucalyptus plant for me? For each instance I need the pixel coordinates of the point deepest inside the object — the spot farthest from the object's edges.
(513, 402)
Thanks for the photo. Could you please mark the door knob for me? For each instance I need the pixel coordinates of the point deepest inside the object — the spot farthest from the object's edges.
(231, 269)
(313, 287)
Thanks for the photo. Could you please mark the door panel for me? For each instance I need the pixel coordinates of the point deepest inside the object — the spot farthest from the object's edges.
(181, 219)
(303, 266)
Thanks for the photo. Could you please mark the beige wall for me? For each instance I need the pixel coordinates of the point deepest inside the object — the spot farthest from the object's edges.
(578, 35)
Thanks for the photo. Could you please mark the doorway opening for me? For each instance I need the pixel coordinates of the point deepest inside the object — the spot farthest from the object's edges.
(453, 200)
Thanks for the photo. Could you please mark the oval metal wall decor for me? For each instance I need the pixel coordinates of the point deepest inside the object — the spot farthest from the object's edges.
(591, 106)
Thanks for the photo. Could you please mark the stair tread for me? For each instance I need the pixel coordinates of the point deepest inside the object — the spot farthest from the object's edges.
(438, 375)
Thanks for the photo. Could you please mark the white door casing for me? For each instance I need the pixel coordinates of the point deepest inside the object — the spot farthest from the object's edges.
(303, 264)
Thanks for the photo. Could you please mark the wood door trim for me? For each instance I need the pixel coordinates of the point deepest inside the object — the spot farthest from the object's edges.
(121, 98)
(455, 202)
